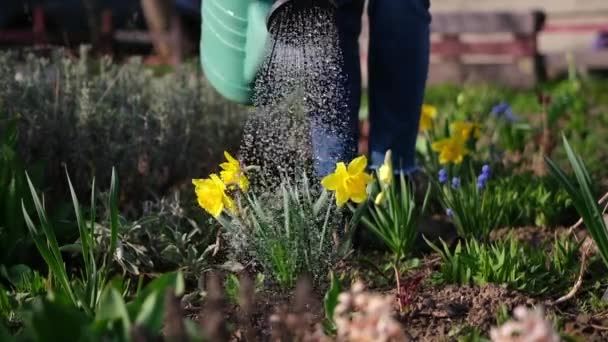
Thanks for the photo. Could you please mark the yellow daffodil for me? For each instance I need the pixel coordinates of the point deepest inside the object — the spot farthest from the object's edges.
(385, 172)
(349, 183)
(426, 117)
(451, 150)
(466, 129)
(211, 195)
(232, 174)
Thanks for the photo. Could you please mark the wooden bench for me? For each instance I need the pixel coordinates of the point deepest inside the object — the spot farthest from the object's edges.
(496, 47)
(593, 57)
(37, 34)
(109, 36)
(34, 35)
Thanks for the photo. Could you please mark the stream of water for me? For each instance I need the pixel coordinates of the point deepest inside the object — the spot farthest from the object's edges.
(299, 87)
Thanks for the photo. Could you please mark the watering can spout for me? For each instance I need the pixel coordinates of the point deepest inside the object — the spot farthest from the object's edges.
(257, 35)
(233, 41)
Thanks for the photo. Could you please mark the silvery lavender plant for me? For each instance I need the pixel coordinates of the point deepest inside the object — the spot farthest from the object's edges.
(92, 114)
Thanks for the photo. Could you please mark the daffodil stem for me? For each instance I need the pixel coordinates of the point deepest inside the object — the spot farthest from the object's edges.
(397, 278)
(351, 208)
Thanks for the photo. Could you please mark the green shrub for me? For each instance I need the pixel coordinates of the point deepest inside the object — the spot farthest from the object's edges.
(91, 115)
(169, 235)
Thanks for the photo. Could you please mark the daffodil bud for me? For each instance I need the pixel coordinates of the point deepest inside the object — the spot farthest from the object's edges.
(385, 173)
(379, 198)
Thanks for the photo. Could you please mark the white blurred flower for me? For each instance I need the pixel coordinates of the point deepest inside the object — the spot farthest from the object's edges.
(365, 317)
(528, 326)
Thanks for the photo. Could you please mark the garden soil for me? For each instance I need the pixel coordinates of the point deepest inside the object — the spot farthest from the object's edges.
(441, 312)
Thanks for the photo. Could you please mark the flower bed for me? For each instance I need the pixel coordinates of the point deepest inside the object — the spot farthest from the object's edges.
(345, 257)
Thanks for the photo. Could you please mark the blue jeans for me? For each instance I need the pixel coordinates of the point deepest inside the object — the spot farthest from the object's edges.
(399, 45)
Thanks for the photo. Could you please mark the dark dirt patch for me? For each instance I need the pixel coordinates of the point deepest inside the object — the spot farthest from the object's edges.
(297, 313)
(306, 310)
(587, 327)
(533, 235)
(438, 311)
(536, 236)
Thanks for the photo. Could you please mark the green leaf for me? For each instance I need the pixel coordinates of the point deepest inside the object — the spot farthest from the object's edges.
(158, 287)
(113, 212)
(583, 198)
(82, 229)
(17, 275)
(54, 318)
(56, 266)
(72, 248)
(111, 308)
(44, 222)
(320, 202)
(86, 232)
(434, 247)
(151, 313)
(330, 301)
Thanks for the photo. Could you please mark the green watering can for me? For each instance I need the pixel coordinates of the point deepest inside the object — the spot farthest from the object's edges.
(233, 42)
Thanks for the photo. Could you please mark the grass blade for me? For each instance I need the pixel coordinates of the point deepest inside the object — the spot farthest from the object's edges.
(82, 229)
(113, 212)
(583, 198)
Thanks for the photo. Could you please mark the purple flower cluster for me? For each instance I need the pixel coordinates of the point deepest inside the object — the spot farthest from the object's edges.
(455, 183)
(601, 42)
(483, 178)
(504, 109)
(443, 176)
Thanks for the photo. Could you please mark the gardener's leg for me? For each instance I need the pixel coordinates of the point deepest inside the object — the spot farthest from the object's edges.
(398, 67)
(336, 140)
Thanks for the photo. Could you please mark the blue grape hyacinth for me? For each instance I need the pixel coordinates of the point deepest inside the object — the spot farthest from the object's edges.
(443, 176)
(504, 109)
(485, 170)
(455, 183)
(483, 178)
